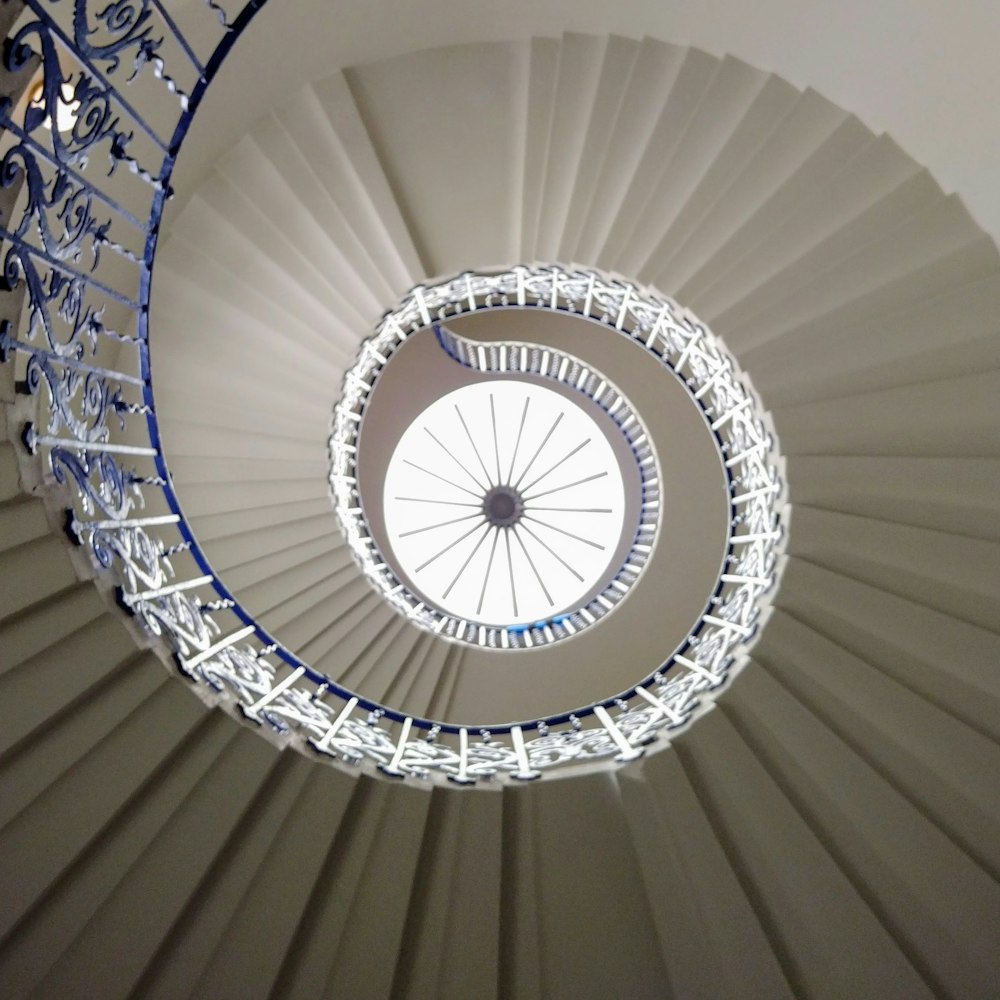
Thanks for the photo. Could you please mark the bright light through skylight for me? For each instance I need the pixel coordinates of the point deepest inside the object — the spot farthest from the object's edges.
(504, 503)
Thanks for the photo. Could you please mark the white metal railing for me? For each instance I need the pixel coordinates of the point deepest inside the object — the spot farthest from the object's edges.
(81, 214)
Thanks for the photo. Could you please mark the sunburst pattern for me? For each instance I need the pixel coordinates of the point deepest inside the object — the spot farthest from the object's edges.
(505, 503)
(841, 798)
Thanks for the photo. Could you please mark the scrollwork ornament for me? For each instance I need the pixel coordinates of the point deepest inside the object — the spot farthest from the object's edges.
(127, 23)
(294, 708)
(80, 226)
(139, 556)
(556, 749)
(239, 670)
(54, 296)
(94, 120)
(94, 123)
(485, 760)
(86, 419)
(179, 619)
(421, 759)
(356, 741)
(100, 481)
(72, 202)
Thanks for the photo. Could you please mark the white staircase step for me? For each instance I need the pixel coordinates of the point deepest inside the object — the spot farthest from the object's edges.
(248, 959)
(226, 887)
(456, 217)
(717, 128)
(573, 865)
(24, 521)
(74, 727)
(234, 279)
(656, 66)
(957, 495)
(186, 407)
(891, 336)
(581, 59)
(788, 185)
(185, 816)
(928, 237)
(810, 908)
(332, 873)
(943, 766)
(620, 56)
(210, 498)
(41, 567)
(712, 941)
(325, 604)
(946, 661)
(771, 106)
(365, 622)
(290, 616)
(377, 665)
(112, 775)
(418, 678)
(10, 476)
(453, 938)
(846, 190)
(301, 202)
(257, 245)
(693, 78)
(235, 549)
(38, 686)
(951, 417)
(543, 67)
(258, 570)
(956, 575)
(927, 892)
(353, 929)
(48, 622)
(232, 525)
(353, 171)
(810, 123)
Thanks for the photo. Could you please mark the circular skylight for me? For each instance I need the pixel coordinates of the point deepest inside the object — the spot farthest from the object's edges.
(504, 504)
(455, 586)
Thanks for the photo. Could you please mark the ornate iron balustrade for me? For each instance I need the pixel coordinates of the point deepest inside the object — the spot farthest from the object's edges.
(500, 359)
(81, 213)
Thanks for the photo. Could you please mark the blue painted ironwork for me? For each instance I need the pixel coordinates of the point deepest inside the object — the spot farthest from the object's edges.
(81, 214)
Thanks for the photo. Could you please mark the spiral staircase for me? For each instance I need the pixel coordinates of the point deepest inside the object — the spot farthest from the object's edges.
(829, 829)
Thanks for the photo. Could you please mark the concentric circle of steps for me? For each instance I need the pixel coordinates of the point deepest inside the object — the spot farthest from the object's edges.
(831, 829)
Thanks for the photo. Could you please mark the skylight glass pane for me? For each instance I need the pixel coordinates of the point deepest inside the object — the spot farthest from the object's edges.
(504, 503)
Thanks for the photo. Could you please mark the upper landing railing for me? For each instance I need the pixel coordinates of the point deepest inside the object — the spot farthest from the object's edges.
(97, 97)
